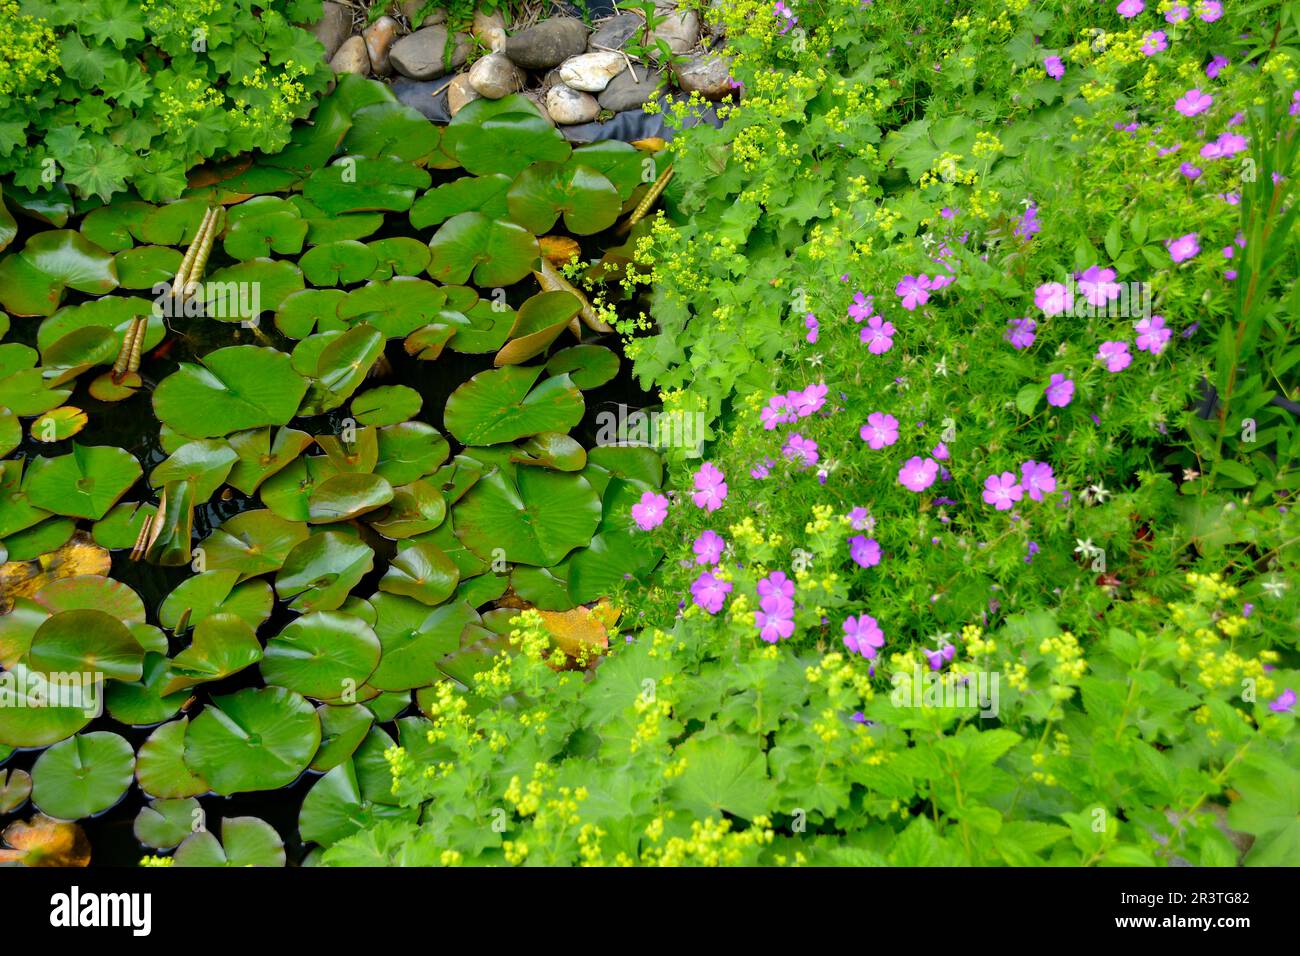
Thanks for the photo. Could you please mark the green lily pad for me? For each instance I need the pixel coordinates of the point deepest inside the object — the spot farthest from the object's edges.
(409, 451)
(588, 366)
(223, 644)
(114, 314)
(121, 526)
(205, 463)
(342, 730)
(542, 587)
(497, 406)
(339, 263)
(171, 224)
(49, 535)
(28, 720)
(242, 292)
(86, 641)
(503, 136)
(143, 703)
(15, 788)
(339, 805)
(485, 194)
(319, 572)
(92, 592)
(11, 431)
(342, 366)
(323, 228)
(538, 323)
(617, 553)
(324, 655)
(288, 493)
(390, 129)
(552, 450)
(26, 393)
(399, 256)
(245, 841)
(252, 543)
(496, 252)
(110, 227)
(387, 405)
(541, 193)
(58, 424)
(361, 184)
(32, 281)
(17, 628)
(215, 592)
(160, 767)
(423, 572)
(253, 740)
(621, 163)
(359, 455)
(81, 777)
(534, 515)
(16, 511)
(281, 229)
(235, 388)
(397, 307)
(414, 638)
(260, 457)
(309, 310)
(83, 484)
(416, 508)
(146, 266)
(163, 824)
(346, 496)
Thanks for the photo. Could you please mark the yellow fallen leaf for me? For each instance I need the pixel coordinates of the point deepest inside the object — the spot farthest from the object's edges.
(41, 841)
(80, 555)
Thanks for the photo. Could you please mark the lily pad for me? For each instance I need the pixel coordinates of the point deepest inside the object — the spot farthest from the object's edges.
(498, 406)
(252, 543)
(339, 805)
(409, 451)
(397, 307)
(496, 252)
(85, 642)
(15, 788)
(160, 767)
(215, 592)
(414, 638)
(538, 323)
(260, 457)
(387, 405)
(59, 424)
(362, 184)
(28, 720)
(390, 129)
(319, 572)
(146, 266)
(83, 484)
(309, 310)
(399, 256)
(503, 136)
(32, 281)
(342, 366)
(346, 496)
(343, 727)
(323, 655)
(143, 703)
(485, 194)
(423, 572)
(541, 193)
(223, 644)
(588, 366)
(245, 841)
(239, 387)
(416, 508)
(253, 740)
(163, 824)
(205, 463)
(83, 776)
(339, 263)
(242, 292)
(534, 515)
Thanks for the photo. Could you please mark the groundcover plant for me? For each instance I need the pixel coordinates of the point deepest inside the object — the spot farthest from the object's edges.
(965, 536)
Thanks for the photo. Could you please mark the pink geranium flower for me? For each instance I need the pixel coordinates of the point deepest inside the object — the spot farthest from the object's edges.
(1054, 298)
(864, 551)
(918, 473)
(1183, 248)
(880, 431)
(1152, 334)
(1059, 391)
(710, 593)
(862, 635)
(708, 547)
(1193, 102)
(913, 290)
(1002, 491)
(650, 511)
(710, 487)
(1037, 479)
(878, 334)
(1115, 355)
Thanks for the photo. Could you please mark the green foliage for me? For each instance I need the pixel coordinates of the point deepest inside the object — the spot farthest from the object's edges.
(109, 95)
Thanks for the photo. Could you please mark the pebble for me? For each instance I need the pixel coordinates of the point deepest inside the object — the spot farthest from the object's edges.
(380, 37)
(548, 43)
(351, 57)
(494, 76)
(568, 106)
(626, 93)
(710, 76)
(420, 55)
(334, 26)
(591, 72)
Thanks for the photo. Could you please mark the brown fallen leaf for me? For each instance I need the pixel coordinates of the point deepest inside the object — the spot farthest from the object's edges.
(651, 144)
(559, 249)
(581, 633)
(80, 555)
(41, 841)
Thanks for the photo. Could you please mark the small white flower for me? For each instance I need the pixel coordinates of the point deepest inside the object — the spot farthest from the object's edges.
(1275, 587)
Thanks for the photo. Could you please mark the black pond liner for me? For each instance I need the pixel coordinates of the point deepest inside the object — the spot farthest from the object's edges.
(131, 425)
